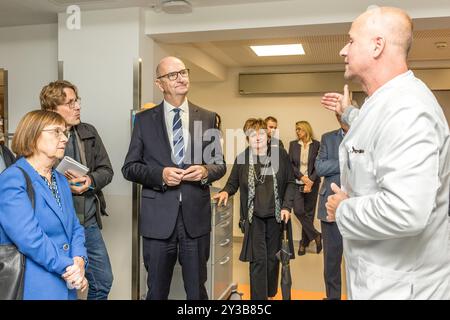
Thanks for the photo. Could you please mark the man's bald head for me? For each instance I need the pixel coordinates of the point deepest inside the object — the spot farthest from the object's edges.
(393, 24)
(162, 65)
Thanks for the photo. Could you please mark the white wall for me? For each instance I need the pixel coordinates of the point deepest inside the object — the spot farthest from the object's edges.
(99, 59)
(224, 98)
(29, 53)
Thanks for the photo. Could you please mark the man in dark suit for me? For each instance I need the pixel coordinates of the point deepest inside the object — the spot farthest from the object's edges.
(327, 166)
(169, 156)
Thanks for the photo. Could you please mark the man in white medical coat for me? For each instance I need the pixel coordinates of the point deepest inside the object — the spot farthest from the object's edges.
(392, 210)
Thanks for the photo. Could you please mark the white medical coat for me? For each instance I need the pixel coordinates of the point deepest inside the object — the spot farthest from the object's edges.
(395, 167)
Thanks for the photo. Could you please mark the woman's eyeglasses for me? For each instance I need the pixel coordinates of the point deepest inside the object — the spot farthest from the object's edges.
(58, 132)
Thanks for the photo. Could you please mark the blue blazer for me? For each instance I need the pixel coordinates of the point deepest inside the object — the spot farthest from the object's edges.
(327, 166)
(48, 236)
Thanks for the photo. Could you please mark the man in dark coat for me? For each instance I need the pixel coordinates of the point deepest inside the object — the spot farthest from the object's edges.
(169, 157)
(86, 147)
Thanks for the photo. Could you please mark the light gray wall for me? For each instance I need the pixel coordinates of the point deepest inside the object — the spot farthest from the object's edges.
(99, 59)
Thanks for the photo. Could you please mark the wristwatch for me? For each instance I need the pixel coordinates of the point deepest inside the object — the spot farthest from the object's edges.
(85, 259)
(204, 180)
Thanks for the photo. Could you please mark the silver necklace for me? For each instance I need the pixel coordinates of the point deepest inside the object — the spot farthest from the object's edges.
(263, 172)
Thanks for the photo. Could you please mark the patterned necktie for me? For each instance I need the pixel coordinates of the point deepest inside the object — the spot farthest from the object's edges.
(178, 142)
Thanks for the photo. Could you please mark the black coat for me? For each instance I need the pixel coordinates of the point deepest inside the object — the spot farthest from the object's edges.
(238, 179)
(150, 152)
(97, 160)
(7, 156)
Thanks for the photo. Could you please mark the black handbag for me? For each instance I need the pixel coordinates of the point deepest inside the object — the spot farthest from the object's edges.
(12, 261)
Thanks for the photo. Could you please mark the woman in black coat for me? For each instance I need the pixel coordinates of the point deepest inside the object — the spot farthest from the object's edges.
(305, 199)
(265, 203)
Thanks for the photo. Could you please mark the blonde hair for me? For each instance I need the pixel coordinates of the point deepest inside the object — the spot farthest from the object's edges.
(53, 95)
(305, 126)
(29, 129)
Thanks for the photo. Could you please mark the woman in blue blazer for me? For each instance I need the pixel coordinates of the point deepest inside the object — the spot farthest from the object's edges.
(48, 235)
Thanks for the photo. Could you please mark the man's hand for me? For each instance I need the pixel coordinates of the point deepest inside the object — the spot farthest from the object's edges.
(334, 201)
(195, 173)
(221, 197)
(285, 215)
(78, 184)
(172, 176)
(335, 101)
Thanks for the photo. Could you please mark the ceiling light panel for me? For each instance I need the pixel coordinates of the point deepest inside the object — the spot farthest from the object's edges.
(278, 50)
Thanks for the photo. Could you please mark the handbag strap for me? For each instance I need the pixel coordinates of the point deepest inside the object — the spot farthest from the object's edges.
(30, 190)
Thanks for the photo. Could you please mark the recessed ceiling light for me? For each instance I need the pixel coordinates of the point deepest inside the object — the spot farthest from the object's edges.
(278, 50)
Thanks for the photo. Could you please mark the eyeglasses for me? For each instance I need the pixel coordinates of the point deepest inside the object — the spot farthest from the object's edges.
(58, 132)
(73, 103)
(172, 76)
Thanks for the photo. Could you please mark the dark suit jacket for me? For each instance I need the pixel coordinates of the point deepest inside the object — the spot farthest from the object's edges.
(100, 169)
(7, 156)
(327, 166)
(294, 155)
(150, 153)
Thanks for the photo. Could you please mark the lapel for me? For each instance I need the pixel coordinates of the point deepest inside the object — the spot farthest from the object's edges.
(161, 131)
(310, 151)
(42, 189)
(297, 150)
(339, 137)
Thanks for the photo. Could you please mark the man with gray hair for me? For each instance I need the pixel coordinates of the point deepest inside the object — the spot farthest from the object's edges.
(392, 206)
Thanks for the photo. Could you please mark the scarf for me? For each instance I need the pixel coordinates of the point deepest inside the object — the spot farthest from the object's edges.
(251, 190)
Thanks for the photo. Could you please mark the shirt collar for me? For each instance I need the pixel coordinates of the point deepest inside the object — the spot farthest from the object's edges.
(300, 142)
(184, 107)
(391, 83)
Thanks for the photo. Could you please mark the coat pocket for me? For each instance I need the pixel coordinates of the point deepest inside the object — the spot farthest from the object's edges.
(374, 282)
(148, 193)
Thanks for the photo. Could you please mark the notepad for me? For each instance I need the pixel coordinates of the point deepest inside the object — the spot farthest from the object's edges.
(70, 164)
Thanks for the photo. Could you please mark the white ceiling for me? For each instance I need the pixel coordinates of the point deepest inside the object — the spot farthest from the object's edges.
(231, 49)
(28, 12)
(319, 49)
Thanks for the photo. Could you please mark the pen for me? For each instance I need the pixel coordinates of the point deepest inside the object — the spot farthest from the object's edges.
(79, 185)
